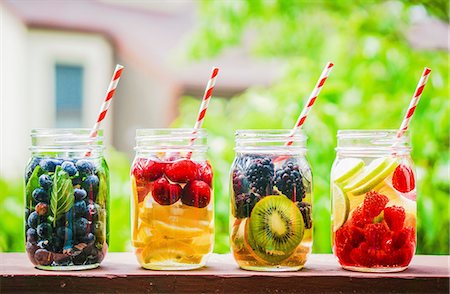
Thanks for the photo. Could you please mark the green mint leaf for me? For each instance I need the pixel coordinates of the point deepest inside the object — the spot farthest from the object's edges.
(32, 184)
(62, 198)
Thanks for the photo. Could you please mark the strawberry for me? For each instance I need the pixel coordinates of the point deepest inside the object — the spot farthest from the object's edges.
(166, 193)
(394, 217)
(182, 171)
(205, 173)
(375, 233)
(403, 179)
(196, 193)
(374, 204)
(358, 217)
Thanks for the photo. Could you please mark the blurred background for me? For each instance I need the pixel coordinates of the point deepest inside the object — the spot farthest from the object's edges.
(58, 56)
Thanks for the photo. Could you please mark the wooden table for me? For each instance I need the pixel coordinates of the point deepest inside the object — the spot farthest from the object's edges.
(120, 273)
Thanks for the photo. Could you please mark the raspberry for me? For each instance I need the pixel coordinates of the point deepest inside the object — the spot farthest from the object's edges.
(394, 217)
(166, 193)
(405, 236)
(197, 194)
(374, 204)
(403, 179)
(361, 255)
(358, 218)
(402, 256)
(375, 233)
(347, 238)
(182, 171)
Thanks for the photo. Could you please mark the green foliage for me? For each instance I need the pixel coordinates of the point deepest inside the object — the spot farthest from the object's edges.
(370, 87)
(32, 184)
(61, 199)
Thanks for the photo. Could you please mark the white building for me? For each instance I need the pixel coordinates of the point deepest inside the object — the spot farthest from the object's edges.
(57, 58)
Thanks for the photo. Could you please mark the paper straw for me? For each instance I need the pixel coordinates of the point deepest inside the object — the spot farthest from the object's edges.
(204, 105)
(106, 103)
(412, 105)
(312, 98)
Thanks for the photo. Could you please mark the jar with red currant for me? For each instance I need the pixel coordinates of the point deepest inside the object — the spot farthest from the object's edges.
(271, 201)
(172, 202)
(373, 201)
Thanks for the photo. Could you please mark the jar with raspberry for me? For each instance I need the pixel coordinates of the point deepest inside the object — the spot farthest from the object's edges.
(373, 201)
(172, 201)
(271, 201)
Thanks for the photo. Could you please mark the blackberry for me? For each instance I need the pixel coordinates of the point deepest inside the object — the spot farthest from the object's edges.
(244, 204)
(288, 180)
(260, 173)
(305, 209)
(240, 182)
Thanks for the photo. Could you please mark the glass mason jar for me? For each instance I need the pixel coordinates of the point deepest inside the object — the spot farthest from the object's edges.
(373, 201)
(172, 203)
(271, 201)
(66, 200)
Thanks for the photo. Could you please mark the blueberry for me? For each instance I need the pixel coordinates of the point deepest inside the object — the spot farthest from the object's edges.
(80, 227)
(64, 233)
(90, 184)
(27, 213)
(31, 166)
(57, 244)
(79, 194)
(45, 244)
(49, 165)
(80, 208)
(33, 220)
(44, 230)
(32, 235)
(89, 239)
(85, 167)
(79, 258)
(77, 181)
(40, 195)
(69, 168)
(46, 182)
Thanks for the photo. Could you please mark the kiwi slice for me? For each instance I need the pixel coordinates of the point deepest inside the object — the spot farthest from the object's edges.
(274, 229)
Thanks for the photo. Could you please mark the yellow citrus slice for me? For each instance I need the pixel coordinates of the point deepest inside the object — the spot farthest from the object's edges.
(135, 208)
(340, 207)
(168, 251)
(346, 169)
(184, 211)
(177, 232)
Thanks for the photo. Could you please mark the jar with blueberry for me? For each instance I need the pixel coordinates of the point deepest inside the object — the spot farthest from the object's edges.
(172, 202)
(271, 201)
(66, 200)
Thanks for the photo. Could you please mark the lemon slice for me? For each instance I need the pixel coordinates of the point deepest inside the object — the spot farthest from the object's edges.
(369, 173)
(346, 169)
(135, 208)
(376, 179)
(340, 207)
(178, 232)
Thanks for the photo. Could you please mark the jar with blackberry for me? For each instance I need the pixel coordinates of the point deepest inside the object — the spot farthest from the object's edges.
(271, 201)
(66, 200)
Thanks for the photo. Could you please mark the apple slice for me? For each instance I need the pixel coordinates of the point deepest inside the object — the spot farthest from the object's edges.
(374, 179)
(370, 171)
(340, 207)
(346, 169)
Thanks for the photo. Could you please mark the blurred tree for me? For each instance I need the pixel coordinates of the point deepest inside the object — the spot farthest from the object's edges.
(370, 87)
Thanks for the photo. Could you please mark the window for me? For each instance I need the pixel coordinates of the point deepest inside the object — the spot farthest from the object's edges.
(69, 95)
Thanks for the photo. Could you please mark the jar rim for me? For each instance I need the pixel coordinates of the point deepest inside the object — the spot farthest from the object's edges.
(270, 141)
(68, 139)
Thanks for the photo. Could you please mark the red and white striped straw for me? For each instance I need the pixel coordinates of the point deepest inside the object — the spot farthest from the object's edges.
(415, 99)
(312, 98)
(106, 103)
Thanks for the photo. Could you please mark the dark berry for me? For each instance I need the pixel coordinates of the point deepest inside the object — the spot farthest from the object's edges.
(182, 171)
(80, 227)
(166, 193)
(305, 209)
(45, 182)
(40, 195)
(260, 173)
(77, 181)
(27, 213)
(43, 257)
(32, 235)
(33, 220)
(85, 167)
(89, 239)
(44, 230)
(79, 194)
(244, 204)
(69, 168)
(79, 208)
(197, 194)
(30, 167)
(49, 165)
(79, 258)
(90, 184)
(45, 244)
(289, 182)
(240, 182)
(64, 233)
(41, 208)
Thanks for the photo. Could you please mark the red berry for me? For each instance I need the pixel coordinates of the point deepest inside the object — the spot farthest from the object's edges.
(360, 255)
(197, 194)
(147, 169)
(406, 236)
(403, 179)
(182, 171)
(41, 208)
(402, 256)
(205, 173)
(359, 219)
(375, 234)
(166, 193)
(374, 204)
(394, 217)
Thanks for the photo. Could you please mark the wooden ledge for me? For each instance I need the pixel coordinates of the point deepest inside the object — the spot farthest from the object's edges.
(120, 273)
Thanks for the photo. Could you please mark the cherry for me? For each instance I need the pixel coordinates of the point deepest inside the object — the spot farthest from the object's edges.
(166, 193)
(182, 171)
(197, 194)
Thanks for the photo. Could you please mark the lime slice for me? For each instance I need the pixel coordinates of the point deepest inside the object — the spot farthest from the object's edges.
(371, 171)
(346, 169)
(340, 207)
(376, 179)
